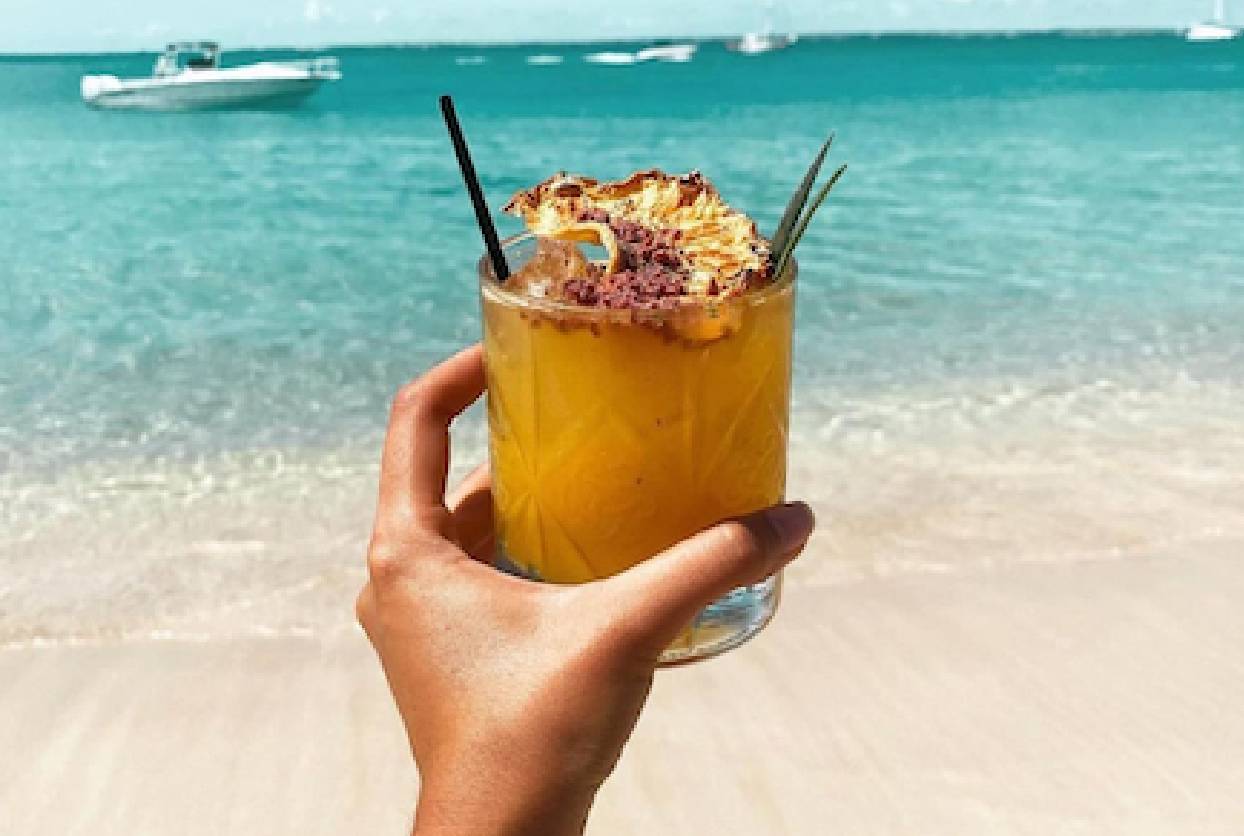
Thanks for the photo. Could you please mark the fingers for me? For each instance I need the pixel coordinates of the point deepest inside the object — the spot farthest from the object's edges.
(470, 505)
(415, 462)
(479, 479)
(658, 597)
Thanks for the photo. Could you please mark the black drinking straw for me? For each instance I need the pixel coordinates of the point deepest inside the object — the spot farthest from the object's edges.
(482, 216)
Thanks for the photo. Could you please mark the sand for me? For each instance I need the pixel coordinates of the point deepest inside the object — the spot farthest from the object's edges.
(1089, 697)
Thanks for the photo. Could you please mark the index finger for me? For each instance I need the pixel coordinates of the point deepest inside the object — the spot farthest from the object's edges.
(414, 466)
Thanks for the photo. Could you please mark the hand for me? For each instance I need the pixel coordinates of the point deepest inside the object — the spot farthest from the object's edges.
(517, 696)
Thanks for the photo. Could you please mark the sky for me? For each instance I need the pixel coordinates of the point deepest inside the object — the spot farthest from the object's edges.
(107, 25)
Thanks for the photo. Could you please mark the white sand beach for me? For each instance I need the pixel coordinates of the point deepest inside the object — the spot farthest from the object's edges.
(1037, 633)
(1090, 697)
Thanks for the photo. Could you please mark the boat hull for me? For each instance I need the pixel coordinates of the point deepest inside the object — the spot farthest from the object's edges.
(202, 95)
(754, 44)
(1203, 32)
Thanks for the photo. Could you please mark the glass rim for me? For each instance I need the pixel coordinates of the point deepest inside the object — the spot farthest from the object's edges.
(489, 285)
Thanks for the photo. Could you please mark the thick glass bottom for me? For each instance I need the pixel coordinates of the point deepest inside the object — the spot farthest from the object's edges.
(726, 623)
(723, 625)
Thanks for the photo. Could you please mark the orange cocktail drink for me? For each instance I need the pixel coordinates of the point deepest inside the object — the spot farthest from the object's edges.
(617, 432)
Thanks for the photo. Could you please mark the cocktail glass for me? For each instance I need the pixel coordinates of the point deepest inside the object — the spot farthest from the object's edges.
(613, 434)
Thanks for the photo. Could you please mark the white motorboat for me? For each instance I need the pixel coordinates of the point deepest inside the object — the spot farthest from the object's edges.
(766, 39)
(188, 76)
(1215, 29)
(755, 43)
(678, 53)
(610, 58)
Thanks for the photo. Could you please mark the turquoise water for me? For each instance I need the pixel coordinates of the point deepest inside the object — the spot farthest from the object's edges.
(204, 315)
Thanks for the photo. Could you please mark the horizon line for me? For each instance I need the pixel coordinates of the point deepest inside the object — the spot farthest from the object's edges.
(1086, 31)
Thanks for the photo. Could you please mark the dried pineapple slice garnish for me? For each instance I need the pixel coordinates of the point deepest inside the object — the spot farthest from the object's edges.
(718, 248)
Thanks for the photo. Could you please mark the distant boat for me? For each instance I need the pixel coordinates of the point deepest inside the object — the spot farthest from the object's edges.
(544, 60)
(1215, 29)
(755, 43)
(678, 53)
(614, 58)
(188, 76)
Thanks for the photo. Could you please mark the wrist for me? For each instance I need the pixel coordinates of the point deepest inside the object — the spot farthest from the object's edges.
(513, 803)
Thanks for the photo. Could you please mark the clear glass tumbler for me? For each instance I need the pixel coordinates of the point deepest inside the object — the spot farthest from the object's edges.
(615, 434)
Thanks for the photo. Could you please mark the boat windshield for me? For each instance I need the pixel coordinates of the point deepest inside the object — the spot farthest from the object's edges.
(189, 55)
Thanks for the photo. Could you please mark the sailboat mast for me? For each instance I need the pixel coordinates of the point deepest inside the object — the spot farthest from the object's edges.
(1220, 11)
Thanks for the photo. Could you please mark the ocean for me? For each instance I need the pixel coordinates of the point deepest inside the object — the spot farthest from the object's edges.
(1020, 322)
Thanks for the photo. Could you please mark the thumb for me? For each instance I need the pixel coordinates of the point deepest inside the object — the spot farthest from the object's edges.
(662, 595)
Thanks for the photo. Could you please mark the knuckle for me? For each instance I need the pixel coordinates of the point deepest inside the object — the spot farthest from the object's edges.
(364, 608)
(410, 397)
(384, 561)
(737, 539)
(418, 400)
(393, 556)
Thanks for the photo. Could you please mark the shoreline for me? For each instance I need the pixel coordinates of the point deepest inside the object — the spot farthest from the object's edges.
(1093, 697)
(271, 540)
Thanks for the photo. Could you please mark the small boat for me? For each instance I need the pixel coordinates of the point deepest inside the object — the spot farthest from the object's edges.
(1215, 29)
(756, 43)
(188, 76)
(764, 40)
(611, 58)
(678, 53)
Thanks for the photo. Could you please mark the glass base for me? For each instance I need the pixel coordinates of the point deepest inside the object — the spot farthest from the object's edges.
(723, 625)
(726, 623)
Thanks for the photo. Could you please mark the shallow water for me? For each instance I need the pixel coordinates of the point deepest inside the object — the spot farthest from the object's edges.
(1020, 325)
